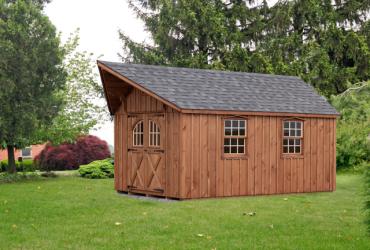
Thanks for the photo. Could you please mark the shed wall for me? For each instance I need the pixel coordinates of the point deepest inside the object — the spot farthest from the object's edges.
(195, 167)
(204, 173)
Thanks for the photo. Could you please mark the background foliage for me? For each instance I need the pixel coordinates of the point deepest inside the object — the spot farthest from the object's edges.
(353, 128)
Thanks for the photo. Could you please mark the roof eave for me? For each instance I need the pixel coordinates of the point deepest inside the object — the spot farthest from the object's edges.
(104, 89)
(257, 113)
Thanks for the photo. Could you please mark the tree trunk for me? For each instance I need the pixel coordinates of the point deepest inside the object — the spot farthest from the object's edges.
(11, 160)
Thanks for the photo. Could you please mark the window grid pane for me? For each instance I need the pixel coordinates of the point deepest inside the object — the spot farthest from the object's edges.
(138, 134)
(234, 133)
(293, 134)
(154, 134)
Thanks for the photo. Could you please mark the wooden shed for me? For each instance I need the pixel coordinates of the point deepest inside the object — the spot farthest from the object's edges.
(190, 133)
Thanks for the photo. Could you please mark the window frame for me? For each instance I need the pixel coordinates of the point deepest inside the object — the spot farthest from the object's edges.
(142, 133)
(301, 138)
(245, 137)
(154, 133)
(27, 156)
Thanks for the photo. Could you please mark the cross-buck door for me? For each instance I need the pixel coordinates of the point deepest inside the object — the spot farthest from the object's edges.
(146, 161)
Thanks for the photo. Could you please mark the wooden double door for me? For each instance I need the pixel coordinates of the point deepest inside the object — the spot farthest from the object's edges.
(146, 153)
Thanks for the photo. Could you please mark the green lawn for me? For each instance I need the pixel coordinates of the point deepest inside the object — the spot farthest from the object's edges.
(71, 212)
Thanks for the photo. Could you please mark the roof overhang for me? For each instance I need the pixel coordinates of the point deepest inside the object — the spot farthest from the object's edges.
(116, 86)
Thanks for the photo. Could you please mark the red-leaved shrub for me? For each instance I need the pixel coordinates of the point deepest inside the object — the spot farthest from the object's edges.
(70, 156)
(90, 148)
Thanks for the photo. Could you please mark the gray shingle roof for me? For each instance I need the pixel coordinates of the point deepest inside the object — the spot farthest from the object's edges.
(223, 90)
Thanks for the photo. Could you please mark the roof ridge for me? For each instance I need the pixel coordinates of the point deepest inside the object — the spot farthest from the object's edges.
(201, 70)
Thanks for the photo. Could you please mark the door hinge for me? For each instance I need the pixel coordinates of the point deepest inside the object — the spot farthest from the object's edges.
(161, 115)
(155, 151)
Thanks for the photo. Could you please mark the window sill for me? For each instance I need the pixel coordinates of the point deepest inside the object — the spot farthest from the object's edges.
(234, 157)
(292, 156)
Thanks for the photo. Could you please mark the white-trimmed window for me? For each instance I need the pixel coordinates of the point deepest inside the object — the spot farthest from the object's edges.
(292, 137)
(154, 134)
(235, 131)
(138, 134)
(26, 152)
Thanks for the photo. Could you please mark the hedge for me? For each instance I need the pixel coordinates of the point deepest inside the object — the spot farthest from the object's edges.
(17, 177)
(23, 166)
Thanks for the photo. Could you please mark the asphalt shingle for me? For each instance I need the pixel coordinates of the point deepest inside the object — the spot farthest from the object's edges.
(224, 90)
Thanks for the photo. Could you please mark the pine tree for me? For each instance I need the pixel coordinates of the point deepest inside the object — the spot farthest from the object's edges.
(324, 42)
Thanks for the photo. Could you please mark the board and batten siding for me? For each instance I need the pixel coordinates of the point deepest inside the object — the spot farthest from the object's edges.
(205, 173)
(138, 102)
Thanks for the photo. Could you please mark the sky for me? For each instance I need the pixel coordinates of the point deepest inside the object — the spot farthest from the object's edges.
(99, 22)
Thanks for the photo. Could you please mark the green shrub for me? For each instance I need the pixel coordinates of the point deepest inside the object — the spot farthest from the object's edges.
(28, 165)
(23, 166)
(17, 177)
(4, 165)
(100, 169)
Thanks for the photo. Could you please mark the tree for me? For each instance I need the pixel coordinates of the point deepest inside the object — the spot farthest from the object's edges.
(31, 73)
(353, 128)
(324, 42)
(81, 110)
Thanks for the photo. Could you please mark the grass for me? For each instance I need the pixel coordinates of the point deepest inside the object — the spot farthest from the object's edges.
(367, 192)
(77, 213)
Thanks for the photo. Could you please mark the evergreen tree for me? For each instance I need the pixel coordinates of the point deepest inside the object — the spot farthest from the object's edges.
(324, 42)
